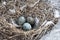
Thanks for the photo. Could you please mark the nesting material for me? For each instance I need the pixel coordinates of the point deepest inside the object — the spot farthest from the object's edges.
(32, 5)
(56, 14)
(49, 23)
(40, 12)
(36, 21)
(12, 11)
(22, 8)
(4, 3)
(13, 23)
(44, 22)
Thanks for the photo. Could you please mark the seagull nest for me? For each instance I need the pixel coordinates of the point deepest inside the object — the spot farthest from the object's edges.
(10, 10)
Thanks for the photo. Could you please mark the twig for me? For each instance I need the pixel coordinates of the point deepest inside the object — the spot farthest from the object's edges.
(21, 8)
(32, 5)
(13, 36)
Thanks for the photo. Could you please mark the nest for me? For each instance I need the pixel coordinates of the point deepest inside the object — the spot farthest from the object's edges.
(35, 8)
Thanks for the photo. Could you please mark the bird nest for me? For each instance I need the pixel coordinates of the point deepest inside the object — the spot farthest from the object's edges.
(12, 9)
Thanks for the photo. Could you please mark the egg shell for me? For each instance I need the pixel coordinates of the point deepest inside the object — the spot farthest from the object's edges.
(30, 20)
(27, 26)
(21, 20)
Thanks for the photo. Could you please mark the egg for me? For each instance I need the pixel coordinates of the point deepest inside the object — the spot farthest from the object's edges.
(30, 20)
(27, 26)
(21, 20)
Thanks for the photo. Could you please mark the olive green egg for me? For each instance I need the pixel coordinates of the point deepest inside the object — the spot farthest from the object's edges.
(30, 20)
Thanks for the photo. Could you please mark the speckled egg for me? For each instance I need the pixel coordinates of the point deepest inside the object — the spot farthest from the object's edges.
(30, 20)
(21, 20)
(27, 26)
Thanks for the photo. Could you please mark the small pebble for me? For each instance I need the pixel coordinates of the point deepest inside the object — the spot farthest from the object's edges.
(21, 20)
(30, 20)
(27, 26)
